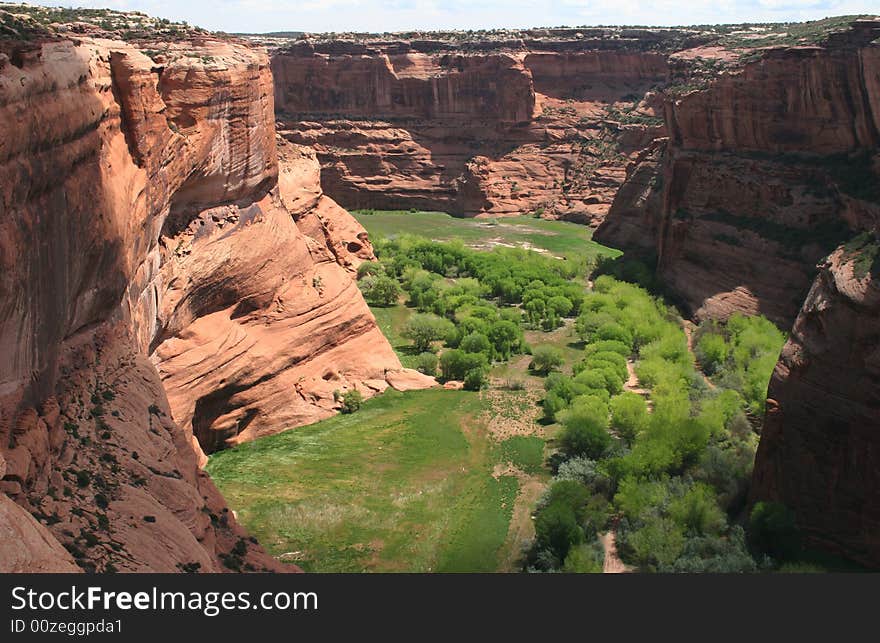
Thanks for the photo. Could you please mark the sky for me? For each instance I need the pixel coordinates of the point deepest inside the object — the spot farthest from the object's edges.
(258, 16)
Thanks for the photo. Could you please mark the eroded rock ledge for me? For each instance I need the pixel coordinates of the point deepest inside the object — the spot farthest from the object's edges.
(143, 224)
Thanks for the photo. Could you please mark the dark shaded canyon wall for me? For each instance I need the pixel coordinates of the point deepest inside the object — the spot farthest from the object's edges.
(497, 131)
(144, 224)
(764, 174)
(820, 447)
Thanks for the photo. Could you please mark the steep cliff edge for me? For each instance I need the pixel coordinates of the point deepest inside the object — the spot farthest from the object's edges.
(143, 223)
(767, 168)
(819, 452)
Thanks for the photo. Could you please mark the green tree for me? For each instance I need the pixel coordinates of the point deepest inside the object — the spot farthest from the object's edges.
(556, 529)
(585, 428)
(352, 401)
(545, 358)
(423, 328)
(475, 343)
(426, 363)
(455, 363)
(629, 415)
(380, 290)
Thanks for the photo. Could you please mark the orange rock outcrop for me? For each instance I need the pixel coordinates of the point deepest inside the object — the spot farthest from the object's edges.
(156, 277)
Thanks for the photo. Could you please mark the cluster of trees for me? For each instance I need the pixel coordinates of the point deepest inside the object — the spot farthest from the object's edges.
(476, 303)
(740, 355)
(673, 474)
(543, 286)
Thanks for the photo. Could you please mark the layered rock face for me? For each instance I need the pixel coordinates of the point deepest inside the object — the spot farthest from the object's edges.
(492, 129)
(819, 450)
(144, 224)
(766, 171)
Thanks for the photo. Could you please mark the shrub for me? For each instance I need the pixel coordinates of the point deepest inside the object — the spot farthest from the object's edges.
(380, 290)
(455, 363)
(584, 559)
(697, 512)
(772, 529)
(351, 401)
(585, 428)
(553, 403)
(556, 529)
(657, 544)
(426, 363)
(475, 343)
(475, 379)
(545, 359)
(711, 350)
(629, 415)
(423, 329)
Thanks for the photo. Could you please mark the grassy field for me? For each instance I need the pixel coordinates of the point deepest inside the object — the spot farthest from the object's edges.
(559, 238)
(437, 480)
(404, 484)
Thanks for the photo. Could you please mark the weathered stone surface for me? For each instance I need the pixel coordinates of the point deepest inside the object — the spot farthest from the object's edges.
(499, 130)
(819, 450)
(142, 215)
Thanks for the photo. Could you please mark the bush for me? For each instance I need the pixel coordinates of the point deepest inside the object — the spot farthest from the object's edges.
(475, 343)
(423, 329)
(585, 428)
(455, 364)
(711, 351)
(584, 559)
(475, 379)
(426, 363)
(629, 415)
(545, 359)
(380, 290)
(772, 529)
(553, 403)
(352, 401)
(697, 512)
(657, 544)
(556, 529)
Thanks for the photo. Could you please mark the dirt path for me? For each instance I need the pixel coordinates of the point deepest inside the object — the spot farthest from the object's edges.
(612, 564)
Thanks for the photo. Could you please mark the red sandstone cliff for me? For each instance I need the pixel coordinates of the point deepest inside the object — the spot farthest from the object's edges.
(819, 447)
(500, 130)
(143, 224)
(766, 170)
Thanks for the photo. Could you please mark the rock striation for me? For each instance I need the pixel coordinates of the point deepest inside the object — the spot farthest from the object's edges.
(163, 280)
(818, 453)
(490, 128)
(767, 171)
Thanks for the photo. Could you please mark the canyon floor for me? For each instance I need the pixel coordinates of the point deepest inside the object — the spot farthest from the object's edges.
(438, 480)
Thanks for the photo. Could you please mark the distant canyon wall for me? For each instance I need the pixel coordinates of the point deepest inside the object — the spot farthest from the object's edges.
(498, 130)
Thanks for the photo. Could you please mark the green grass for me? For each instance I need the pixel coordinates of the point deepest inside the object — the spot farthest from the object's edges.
(391, 320)
(404, 484)
(526, 452)
(560, 238)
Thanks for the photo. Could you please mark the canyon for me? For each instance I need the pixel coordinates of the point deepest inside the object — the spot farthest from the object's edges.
(733, 162)
(173, 281)
(177, 266)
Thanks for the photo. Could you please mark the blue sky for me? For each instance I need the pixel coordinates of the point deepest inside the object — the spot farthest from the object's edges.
(397, 15)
